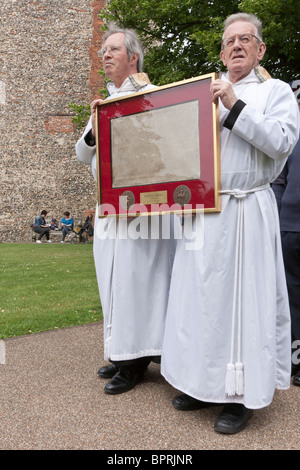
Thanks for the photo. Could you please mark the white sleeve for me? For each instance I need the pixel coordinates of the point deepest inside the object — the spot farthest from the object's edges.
(275, 131)
(84, 152)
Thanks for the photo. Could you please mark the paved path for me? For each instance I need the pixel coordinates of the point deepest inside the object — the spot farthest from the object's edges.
(51, 398)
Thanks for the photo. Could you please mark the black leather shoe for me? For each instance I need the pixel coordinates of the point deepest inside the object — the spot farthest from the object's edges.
(186, 403)
(296, 379)
(107, 372)
(124, 380)
(232, 419)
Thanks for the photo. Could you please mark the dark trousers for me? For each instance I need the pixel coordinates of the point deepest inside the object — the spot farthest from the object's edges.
(139, 363)
(42, 231)
(65, 231)
(291, 256)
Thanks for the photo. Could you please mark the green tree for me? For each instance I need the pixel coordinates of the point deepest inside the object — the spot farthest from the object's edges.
(182, 37)
(281, 32)
(82, 114)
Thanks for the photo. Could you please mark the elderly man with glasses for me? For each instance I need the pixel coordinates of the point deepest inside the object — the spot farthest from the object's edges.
(227, 335)
(133, 274)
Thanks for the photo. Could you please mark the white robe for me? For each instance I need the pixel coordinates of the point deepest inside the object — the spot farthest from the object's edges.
(203, 308)
(133, 275)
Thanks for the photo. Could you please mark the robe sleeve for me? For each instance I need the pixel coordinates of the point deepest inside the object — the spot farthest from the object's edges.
(275, 131)
(85, 152)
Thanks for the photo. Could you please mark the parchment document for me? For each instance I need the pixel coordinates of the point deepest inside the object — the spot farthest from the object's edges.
(156, 146)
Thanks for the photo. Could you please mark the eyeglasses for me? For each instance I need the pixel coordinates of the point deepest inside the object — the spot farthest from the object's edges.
(111, 50)
(243, 38)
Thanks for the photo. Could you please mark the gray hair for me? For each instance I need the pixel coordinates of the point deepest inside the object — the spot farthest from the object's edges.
(249, 18)
(131, 42)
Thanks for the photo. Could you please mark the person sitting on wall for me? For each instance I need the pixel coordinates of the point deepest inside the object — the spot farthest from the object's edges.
(40, 226)
(54, 224)
(66, 225)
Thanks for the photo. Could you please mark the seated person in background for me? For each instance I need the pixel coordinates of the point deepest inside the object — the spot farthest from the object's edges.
(40, 226)
(66, 225)
(54, 225)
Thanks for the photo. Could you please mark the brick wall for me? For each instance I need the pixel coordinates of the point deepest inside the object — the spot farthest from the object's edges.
(48, 59)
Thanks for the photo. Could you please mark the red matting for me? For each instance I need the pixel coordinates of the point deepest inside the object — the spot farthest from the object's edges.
(167, 196)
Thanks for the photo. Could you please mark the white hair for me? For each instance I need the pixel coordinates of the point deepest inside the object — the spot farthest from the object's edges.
(131, 42)
(247, 17)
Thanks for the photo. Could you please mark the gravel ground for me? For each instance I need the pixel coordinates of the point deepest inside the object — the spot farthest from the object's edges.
(52, 399)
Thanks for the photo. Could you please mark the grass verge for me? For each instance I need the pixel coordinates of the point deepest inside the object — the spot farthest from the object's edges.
(46, 286)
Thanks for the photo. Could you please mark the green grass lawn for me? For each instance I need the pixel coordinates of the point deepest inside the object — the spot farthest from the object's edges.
(47, 286)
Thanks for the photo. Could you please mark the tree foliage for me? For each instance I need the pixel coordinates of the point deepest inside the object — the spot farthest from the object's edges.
(82, 114)
(182, 37)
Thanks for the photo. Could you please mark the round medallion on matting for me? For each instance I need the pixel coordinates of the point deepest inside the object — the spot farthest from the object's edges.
(182, 195)
(129, 201)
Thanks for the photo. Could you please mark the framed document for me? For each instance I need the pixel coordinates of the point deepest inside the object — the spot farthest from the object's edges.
(158, 151)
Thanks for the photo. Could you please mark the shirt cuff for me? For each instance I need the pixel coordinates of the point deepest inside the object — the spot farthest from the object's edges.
(90, 139)
(234, 114)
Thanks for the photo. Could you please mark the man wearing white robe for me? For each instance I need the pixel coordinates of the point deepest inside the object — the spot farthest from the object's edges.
(133, 274)
(227, 334)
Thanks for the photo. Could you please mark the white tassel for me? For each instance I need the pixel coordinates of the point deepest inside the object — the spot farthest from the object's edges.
(230, 380)
(239, 378)
(234, 384)
(107, 348)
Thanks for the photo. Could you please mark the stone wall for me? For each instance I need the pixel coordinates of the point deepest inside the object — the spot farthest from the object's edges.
(48, 59)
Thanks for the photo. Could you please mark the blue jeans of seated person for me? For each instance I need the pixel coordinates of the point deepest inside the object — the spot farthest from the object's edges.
(65, 231)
